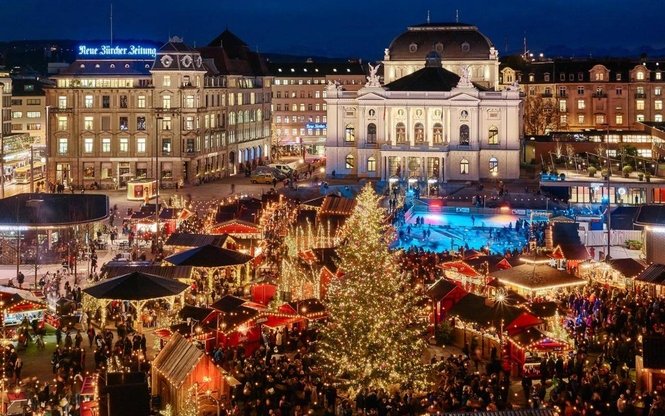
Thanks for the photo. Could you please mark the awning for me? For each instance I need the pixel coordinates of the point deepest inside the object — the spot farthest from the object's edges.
(277, 321)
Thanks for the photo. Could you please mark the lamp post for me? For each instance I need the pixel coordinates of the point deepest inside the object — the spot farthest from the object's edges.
(35, 203)
(609, 200)
(158, 175)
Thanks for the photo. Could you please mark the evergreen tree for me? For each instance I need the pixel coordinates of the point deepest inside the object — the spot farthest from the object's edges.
(374, 336)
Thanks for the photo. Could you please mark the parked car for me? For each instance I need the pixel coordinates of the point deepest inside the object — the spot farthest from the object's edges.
(274, 171)
(282, 167)
(263, 177)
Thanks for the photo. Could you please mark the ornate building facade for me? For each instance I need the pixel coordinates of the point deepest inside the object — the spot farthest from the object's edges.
(177, 112)
(460, 45)
(431, 125)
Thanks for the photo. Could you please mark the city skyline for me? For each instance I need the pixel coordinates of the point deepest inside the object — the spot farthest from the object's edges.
(340, 28)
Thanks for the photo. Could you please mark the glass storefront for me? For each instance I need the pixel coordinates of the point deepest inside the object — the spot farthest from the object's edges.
(597, 193)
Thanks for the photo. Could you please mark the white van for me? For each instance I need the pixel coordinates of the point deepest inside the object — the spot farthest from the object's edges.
(284, 168)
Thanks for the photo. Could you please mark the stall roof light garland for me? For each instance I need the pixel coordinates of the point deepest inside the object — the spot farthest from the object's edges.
(373, 337)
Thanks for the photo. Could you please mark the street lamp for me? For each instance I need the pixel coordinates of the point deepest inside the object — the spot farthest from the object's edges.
(35, 203)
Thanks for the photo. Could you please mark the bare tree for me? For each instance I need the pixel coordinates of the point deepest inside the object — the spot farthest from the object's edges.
(541, 115)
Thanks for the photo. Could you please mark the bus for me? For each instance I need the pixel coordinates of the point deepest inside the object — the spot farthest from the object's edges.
(29, 173)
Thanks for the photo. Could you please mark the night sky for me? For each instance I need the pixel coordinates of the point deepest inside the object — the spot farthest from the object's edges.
(349, 28)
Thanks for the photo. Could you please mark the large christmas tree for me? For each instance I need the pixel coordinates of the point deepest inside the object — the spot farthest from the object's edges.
(374, 336)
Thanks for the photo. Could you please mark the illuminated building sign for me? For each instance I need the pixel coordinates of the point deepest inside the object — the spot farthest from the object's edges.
(316, 125)
(117, 51)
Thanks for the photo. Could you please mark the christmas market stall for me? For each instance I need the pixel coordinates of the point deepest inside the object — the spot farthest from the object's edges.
(238, 229)
(238, 322)
(196, 324)
(463, 275)
(171, 218)
(652, 280)
(215, 265)
(537, 280)
(529, 347)
(19, 305)
(184, 376)
(136, 288)
(617, 273)
(444, 295)
(481, 322)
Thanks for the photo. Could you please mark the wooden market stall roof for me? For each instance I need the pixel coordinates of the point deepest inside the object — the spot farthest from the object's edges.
(534, 337)
(461, 267)
(476, 309)
(209, 256)
(536, 277)
(197, 240)
(171, 272)
(442, 288)
(654, 274)
(337, 205)
(577, 252)
(177, 359)
(628, 267)
(235, 228)
(136, 286)
(543, 309)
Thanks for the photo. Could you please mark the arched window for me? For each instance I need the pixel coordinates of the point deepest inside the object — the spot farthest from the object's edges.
(349, 133)
(464, 135)
(258, 114)
(400, 133)
(464, 167)
(437, 133)
(493, 137)
(419, 133)
(349, 161)
(240, 119)
(246, 116)
(494, 166)
(371, 164)
(371, 133)
(232, 118)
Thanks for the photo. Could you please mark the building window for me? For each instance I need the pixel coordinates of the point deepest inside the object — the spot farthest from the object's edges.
(437, 133)
(189, 101)
(88, 170)
(639, 105)
(581, 105)
(302, 107)
(464, 167)
(62, 102)
(580, 118)
(658, 118)
(493, 137)
(87, 123)
(657, 91)
(658, 105)
(17, 114)
(107, 170)
(33, 114)
(140, 101)
(419, 133)
(494, 166)
(124, 145)
(87, 145)
(400, 133)
(167, 170)
(349, 162)
(371, 133)
(618, 119)
(124, 123)
(62, 146)
(349, 133)
(580, 90)
(166, 123)
(140, 123)
(648, 153)
(106, 145)
(600, 119)
(619, 91)
(189, 123)
(562, 90)
(563, 119)
(371, 164)
(62, 123)
(563, 106)
(640, 90)
(166, 101)
(640, 75)
(106, 101)
(167, 81)
(464, 135)
(140, 145)
(640, 117)
(88, 101)
(166, 146)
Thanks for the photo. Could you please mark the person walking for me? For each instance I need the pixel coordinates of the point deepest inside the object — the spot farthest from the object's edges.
(233, 188)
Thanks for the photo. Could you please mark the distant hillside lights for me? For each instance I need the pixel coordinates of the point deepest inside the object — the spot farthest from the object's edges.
(115, 51)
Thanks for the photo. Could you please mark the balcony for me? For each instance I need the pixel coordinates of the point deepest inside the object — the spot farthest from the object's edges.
(546, 95)
(60, 110)
(599, 95)
(640, 95)
(371, 145)
(165, 153)
(563, 94)
(188, 85)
